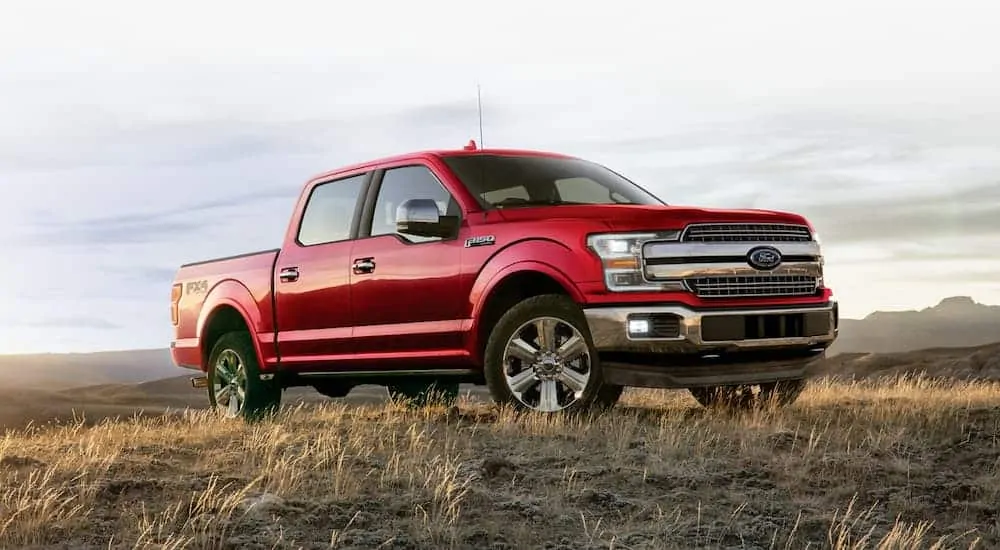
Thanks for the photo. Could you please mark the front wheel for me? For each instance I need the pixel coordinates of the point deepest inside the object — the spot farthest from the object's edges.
(540, 357)
(772, 394)
(235, 389)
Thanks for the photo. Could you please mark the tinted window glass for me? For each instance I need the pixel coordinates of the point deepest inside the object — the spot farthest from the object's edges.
(504, 181)
(402, 184)
(500, 195)
(330, 210)
(587, 191)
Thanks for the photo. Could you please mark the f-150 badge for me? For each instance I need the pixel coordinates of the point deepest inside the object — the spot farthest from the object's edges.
(484, 240)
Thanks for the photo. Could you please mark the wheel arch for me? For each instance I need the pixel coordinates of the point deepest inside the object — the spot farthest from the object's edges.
(510, 286)
(224, 311)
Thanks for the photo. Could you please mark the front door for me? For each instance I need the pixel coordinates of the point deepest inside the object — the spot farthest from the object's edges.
(312, 279)
(405, 298)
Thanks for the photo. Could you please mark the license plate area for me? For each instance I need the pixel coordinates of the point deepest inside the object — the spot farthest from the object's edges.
(761, 326)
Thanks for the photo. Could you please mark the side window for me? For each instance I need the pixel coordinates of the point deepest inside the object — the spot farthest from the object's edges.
(330, 210)
(585, 190)
(402, 184)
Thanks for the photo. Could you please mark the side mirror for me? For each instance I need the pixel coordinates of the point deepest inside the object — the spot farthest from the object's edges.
(421, 218)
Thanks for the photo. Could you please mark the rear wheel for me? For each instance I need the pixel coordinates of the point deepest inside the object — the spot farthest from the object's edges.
(235, 389)
(417, 393)
(540, 357)
(750, 396)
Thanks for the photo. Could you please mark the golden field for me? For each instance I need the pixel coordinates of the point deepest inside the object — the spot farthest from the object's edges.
(900, 462)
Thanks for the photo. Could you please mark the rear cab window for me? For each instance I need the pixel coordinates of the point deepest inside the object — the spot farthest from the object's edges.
(330, 210)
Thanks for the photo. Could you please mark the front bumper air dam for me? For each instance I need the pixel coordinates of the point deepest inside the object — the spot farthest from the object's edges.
(673, 346)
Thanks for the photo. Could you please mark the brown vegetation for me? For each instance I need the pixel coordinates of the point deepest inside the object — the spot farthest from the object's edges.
(897, 463)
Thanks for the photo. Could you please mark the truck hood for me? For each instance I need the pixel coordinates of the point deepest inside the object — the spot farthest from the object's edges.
(629, 217)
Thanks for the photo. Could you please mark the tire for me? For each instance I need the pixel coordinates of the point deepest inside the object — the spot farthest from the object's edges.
(522, 370)
(233, 364)
(417, 393)
(773, 394)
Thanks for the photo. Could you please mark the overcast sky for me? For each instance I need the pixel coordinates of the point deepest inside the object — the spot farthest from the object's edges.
(135, 137)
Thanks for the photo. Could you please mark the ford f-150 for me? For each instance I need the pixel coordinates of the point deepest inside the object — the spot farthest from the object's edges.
(552, 280)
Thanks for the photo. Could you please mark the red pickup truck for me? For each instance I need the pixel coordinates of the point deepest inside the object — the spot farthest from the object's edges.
(553, 280)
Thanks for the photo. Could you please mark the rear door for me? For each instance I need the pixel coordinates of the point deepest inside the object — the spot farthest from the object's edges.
(406, 299)
(312, 277)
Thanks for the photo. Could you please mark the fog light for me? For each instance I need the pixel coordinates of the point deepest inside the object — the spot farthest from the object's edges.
(638, 326)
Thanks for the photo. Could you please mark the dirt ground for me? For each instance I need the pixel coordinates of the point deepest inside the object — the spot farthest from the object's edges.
(901, 463)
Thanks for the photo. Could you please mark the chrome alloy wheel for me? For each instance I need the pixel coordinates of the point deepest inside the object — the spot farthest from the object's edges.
(229, 384)
(547, 364)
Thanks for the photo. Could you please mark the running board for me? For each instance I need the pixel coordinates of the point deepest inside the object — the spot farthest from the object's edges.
(386, 373)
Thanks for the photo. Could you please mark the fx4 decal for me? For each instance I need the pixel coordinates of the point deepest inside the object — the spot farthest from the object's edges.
(196, 287)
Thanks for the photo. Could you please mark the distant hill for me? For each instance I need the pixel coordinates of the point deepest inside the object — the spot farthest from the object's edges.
(53, 371)
(973, 363)
(955, 322)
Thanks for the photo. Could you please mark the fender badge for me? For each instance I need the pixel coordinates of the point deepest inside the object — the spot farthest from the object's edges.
(485, 240)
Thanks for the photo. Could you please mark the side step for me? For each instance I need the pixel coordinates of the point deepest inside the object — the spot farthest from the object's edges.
(199, 381)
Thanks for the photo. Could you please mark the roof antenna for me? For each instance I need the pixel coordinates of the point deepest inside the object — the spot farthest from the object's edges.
(471, 146)
(479, 100)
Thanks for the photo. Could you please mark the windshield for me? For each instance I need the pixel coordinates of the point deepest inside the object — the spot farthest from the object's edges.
(501, 181)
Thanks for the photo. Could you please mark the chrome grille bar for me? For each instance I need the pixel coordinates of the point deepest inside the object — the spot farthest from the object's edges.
(745, 232)
(753, 285)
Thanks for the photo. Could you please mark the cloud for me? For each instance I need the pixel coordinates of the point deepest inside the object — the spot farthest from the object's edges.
(963, 214)
(139, 275)
(104, 140)
(451, 114)
(256, 153)
(145, 144)
(990, 277)
(124, 154)
(154, 226)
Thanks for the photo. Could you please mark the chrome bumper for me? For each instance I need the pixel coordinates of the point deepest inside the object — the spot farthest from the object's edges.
(609, 329)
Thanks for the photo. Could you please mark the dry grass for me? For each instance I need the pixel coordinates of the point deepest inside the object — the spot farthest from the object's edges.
(904, 463)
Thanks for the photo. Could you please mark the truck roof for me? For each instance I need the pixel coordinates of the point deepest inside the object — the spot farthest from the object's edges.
(438, 153)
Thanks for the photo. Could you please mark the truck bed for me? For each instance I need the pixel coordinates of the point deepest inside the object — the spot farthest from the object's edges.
(216, 280)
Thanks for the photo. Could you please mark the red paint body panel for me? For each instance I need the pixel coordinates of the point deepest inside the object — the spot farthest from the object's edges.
(410, 303)
(313, 314)
(421, 305)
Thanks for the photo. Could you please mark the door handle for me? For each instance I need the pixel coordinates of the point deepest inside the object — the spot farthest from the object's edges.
(289, 274)
(364, 265)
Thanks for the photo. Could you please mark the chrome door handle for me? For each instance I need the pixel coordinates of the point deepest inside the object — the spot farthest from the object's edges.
(289, 274)
(364, 265)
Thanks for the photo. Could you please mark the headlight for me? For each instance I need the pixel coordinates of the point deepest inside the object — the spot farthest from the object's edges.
(621, 257)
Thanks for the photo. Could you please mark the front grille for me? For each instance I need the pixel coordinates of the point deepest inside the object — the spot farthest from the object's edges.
(756, 285)
(746, 232)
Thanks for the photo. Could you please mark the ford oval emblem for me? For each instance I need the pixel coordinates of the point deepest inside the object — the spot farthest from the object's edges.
(764, 258)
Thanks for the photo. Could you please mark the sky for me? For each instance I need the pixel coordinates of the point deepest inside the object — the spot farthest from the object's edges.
(136, 137)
